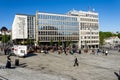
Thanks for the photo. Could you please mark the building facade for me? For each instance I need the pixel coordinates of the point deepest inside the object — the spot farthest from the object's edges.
(23, 27)
(56, 27)
(88, 28)
(80, 27)
(112, 41)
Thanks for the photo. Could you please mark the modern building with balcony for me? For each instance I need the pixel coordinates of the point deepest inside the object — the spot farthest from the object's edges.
(80, 27)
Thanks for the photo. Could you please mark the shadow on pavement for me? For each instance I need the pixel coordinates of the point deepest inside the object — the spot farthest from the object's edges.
(118, 75)
(23, 65)
(31, 54)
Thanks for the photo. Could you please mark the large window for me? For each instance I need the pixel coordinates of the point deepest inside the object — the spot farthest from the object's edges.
(60, 27)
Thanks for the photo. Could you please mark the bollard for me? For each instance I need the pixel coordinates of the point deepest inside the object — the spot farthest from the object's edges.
(16, 62)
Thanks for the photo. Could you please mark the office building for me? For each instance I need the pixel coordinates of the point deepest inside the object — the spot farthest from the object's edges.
(78, 27)
(23, 27)
(88, 28)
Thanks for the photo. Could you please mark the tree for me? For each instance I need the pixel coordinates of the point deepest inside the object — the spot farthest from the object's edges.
(4, 29)
(51, 42)
(67, 43)
(105, 35)
(118, 34)
(101, 37)
(28, 41)
(39, 43)
(0, 37)
(5, 38)
(59, 42)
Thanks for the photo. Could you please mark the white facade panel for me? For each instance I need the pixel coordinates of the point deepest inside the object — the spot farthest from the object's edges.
(19, 27)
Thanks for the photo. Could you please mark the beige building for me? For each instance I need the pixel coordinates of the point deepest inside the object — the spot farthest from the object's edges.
(88, 28)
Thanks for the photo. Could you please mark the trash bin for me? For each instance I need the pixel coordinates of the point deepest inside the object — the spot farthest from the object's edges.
(16, 62)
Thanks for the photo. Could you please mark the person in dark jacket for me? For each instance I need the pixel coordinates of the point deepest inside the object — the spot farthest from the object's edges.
(8, 64)
(117, 74)
(76, 62)
(79, 52)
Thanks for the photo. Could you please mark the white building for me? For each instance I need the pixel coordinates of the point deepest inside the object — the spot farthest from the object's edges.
(8, 32)
(80, 27)
(88, 28)
(113, 41)
(23, 27)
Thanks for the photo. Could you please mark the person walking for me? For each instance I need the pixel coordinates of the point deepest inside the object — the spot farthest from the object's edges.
(76, 62)
(117, 74)
(106, 52)
(98, 51)
(79, 51)
(8, 64)
(65, 52)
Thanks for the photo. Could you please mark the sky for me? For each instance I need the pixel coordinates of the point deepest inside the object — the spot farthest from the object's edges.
(109, 10)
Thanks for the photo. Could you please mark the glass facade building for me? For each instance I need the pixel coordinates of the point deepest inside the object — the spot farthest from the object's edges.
(79, 27)
(57, 27)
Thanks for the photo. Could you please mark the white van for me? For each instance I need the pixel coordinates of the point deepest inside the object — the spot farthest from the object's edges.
(20, 50)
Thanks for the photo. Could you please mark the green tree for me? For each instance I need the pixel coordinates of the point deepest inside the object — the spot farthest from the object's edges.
(0, 37)
(104, 35)
(5, 38)
(118, 35)
(39, 43)
(28, 41)
(67, 43)
(59, 42)
(4, 29)
(101, 37)
(51, 42)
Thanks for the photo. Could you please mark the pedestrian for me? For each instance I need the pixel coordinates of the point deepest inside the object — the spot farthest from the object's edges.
(79, 52)
(119, 50)
(76, 62)
(65, 51)
(93, 52)
(58, 51)
(117, 74)
(8, 64)
(103, 51)
(9, 51)
(106, 52)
